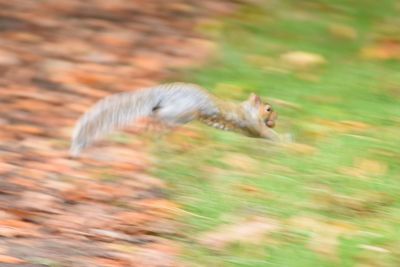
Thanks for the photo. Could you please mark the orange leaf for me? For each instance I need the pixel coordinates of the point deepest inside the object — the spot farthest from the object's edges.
(9, 259)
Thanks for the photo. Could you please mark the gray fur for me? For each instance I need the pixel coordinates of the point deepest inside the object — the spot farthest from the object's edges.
(172, 104)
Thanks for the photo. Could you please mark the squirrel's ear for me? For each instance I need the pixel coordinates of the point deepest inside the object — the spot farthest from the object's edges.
(254, 99)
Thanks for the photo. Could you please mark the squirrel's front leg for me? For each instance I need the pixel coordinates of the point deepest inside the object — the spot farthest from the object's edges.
(268, 133)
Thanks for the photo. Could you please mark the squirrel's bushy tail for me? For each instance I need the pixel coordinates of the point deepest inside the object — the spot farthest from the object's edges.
(171, 103)
(111, 113)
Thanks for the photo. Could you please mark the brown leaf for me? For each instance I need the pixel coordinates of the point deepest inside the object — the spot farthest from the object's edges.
(110, 236)
(241, 162)
(249, 231)
(34, 201)
(133, 222)
(92, 79)
(165, 246)
(205, 49)
(355, 125)
(24, 128)
(8, 58)
(150, 63)
(104, 193)
(343, 31)
(371, 167)
(5, 167)
(363, 203)
(160, 207)
(325, 235)
(6, 216)
(123, 39)
(106, 262)
(383, 50)
(301, 149)
(153, 257)
(134, 218)
(364, 168)
(344, 126)
(261, 61)
(302, 60)
(10, 259)
(249, 188)
(14, 228)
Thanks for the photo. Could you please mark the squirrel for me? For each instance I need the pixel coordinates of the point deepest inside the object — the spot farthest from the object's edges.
(172, 105)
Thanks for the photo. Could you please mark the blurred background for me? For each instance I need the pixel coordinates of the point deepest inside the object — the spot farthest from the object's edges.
(199, 196)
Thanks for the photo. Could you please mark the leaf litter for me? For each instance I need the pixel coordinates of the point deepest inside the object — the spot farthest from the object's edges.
(57, 59)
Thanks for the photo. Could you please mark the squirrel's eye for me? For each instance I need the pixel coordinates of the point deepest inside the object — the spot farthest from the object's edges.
(268, 109)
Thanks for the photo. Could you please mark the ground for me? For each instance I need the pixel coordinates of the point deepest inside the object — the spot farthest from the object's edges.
(198, 196)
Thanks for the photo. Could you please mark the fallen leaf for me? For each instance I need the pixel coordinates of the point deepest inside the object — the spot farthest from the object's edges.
(325, 234)
(205, 49)
(302, 149)
(9, 259)
(8, 58)
(260, 61)
(132, 222)
(241, 162)
(382, 50)
(355, 125)
(371, 167)
(34, 201)
(26, 129)
(107, 262)
(344, 126)
(150, 257)
(343, 32)
(302, 60)
(14, 228)
(364, 168)
(5, 168)
(248, 231)
(249, 188)
(150, 63)
(160, 207)
(110, 236)
(4, 215)
(134, 218)
(364, 203)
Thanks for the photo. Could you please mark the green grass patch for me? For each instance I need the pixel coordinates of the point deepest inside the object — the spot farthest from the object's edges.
(347, 173)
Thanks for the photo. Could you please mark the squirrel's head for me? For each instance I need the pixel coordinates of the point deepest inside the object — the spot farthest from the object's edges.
(264, 111)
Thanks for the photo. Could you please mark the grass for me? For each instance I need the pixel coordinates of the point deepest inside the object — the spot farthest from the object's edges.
(341, 174)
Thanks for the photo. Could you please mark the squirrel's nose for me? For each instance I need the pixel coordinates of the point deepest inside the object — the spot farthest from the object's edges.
(270, 121)
(271, 124)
